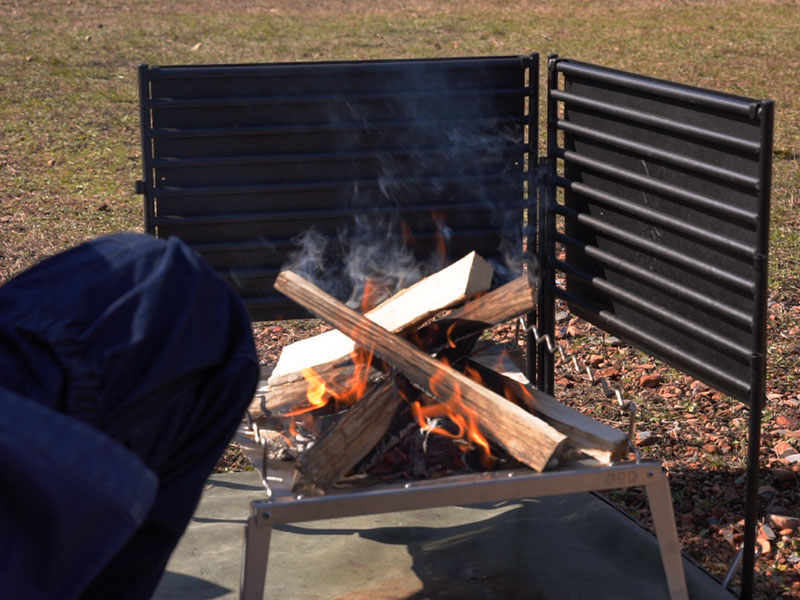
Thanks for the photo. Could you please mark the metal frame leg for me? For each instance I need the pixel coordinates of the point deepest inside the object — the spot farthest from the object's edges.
(465, 490)
(660, 500)
(255, 554)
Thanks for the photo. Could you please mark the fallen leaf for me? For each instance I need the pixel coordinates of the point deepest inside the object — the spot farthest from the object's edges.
(765, 531)
(784, 449)
(651, 380)
(197, 46)
(609, 372)
(565, 382)
(786, 422)
(764, 544)
(669, 392)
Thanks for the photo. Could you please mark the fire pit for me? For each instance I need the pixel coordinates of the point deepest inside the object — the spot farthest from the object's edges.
(659, 236)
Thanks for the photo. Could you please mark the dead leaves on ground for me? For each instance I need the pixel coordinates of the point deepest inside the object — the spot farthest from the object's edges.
(700, 436)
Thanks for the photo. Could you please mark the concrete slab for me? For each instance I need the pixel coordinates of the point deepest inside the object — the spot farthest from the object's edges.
(563, 547)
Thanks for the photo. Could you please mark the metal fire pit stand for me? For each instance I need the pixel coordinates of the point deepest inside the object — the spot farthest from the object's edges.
(464, 490)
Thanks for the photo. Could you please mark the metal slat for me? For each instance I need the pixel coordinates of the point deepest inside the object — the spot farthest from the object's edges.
(169, 192)
(670, 286)
(299, 128)
(657, 312)
(318, 68)
(665, 89)
(702, 268)
(374, 156)
(656, 153)
(671, 125)
(224, 247)
(326, 99)
(654, 216)
(700, 200)
(321, 215)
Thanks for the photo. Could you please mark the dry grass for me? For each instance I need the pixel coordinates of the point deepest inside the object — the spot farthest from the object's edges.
(69, 152)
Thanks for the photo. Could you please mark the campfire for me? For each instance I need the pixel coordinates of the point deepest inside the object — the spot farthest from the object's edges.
(407, 388)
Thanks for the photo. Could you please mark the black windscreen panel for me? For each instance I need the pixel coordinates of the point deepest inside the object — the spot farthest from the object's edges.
(662, 229)
(426, 156)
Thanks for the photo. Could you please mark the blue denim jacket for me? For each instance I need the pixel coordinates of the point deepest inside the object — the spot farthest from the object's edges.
(125, 365)
(70, 496)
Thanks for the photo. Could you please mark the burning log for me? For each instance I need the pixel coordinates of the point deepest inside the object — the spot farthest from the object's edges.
(349, 440)
(292, 393)
(510, 300)
(595, 439)
(406, 309)
(515, 298)
(286, 392)
(524, 436)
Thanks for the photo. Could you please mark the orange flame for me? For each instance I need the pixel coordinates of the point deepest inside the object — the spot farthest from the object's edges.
(344, 393)
(369, 296)
(473, 374)
(475, 434)
(356, 386)
(441, 240)
(452, 407)
(319, 392)
(450, 329)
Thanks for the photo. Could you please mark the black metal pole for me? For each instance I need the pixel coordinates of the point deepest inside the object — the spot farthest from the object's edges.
(534, 198)
(758, 361)
(145, 187)
(546, 241)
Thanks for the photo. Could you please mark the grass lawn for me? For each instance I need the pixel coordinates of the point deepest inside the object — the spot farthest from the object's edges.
(69, 138)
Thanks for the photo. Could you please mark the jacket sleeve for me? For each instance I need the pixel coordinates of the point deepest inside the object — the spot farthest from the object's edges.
(70, 496)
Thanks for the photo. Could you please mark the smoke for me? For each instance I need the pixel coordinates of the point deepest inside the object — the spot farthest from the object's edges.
(442, 160)
(367, 256)
(382, 266)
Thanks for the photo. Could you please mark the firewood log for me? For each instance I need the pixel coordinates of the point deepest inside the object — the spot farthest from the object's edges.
(524, 436)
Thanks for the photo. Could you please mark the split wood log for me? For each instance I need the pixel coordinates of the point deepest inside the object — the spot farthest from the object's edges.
(348, 440)
(408, 308)
(284, 393)
(591, 437)
(290, 395)
(515, 298)
(524, 436)
(508, 301)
